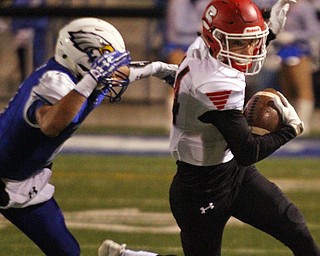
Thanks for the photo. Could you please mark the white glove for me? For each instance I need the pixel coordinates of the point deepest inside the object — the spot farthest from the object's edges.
(165, 72)
(161, 70)
(278, 15)
(288, 113)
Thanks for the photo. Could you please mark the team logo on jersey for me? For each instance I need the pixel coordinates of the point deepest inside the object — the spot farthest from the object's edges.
(210, 13)
(88, 42)
(219, 99)
(33, 192)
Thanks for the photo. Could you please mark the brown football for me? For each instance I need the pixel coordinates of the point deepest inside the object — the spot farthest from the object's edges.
(261, 113)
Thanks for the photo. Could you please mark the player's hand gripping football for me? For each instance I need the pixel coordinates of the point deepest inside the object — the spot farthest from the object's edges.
(104, 66)
(288, 113)
(278, 15)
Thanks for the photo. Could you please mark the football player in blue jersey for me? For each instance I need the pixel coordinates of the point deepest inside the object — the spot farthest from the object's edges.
(90, 63)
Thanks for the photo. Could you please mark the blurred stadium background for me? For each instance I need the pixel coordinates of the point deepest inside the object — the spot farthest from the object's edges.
(146, 104)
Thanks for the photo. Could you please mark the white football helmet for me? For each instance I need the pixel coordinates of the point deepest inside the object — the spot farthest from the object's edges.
(83, 40)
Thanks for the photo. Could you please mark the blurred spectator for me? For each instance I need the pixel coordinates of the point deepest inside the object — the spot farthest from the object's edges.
(267, 77)
(3, 25)
(155, 32)
(292, 59)
(265, 4)
(182, 25)
(316, 74)
(29, 33)
(297, 47)
(316, 4)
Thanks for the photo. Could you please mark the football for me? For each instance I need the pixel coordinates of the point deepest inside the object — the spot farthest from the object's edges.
(261, 113)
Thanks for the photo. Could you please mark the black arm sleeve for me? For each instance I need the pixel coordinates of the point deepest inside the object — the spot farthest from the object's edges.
(246, 148)
(271, 36)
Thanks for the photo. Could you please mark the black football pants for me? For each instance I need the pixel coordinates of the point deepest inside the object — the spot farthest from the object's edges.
(202, 200)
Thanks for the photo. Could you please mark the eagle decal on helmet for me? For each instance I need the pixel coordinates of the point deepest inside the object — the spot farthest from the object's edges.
(88, 42)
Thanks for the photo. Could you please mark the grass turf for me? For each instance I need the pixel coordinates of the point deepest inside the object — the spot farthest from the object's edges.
(86, 182)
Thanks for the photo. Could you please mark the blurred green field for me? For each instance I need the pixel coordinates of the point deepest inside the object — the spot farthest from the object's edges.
(125, 198)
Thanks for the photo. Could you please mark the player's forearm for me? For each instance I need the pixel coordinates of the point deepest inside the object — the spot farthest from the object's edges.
(54, 119)
(161, 70)
(246, 148)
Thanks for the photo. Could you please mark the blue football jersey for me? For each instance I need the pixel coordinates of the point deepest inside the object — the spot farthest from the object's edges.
(24, 149)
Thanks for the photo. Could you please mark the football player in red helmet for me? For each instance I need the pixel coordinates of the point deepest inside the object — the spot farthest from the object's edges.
(212, 143)
(236, 34)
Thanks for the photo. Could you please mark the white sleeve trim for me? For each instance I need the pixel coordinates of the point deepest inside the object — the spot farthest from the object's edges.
(53, 85)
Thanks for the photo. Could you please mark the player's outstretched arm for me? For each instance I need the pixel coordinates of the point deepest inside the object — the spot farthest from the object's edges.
(53, 119)
(159, 69)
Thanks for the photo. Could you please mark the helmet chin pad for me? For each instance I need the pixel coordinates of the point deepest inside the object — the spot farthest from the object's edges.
(242, 67)
(247, 66)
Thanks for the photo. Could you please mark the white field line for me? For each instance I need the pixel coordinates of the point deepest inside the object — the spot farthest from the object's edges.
(303, 185)
(125, 220)
(135, 221)
(129, 220)
(149, 144)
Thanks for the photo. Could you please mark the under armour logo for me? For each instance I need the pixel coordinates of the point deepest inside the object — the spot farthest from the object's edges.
(203, 210)
(33, 192)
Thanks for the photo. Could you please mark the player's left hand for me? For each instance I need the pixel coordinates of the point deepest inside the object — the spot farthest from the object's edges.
(288, 113)
(278, 15)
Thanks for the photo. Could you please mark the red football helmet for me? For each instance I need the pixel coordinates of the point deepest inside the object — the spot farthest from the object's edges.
(232, 26)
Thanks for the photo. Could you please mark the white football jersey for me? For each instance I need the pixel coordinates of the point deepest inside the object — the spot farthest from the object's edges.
(203, 84)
